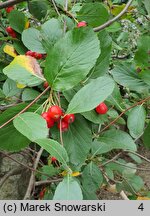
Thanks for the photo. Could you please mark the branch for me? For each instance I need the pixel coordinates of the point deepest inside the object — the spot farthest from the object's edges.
(47, 181)
(134, 105)
(27, 107)
(10, 3)
(108, 23)
(12, 172)
(32, 178)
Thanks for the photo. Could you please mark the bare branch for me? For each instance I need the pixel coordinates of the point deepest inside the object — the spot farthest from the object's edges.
(32, 178)
(47, 181)
(10, 3)
(108, 23)
(12, 172)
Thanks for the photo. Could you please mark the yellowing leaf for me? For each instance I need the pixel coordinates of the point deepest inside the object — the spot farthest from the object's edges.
(10, 50)
(20, 86)
(116, 9)
(25, 70)
(64, 173)
(75, 174)
(30, 64)
(27, 24)
(143, 198)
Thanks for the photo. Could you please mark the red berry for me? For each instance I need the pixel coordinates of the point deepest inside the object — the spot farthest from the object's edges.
(29, 53)
(38, 55)
(53, 159)
(101, 108)
(42, 193)
(63, 126)
(9, 9)
(49, 120)
(69, 118)
(13, 35)
(45, 85)
(81, 24)
(50, 123)
(46, 116)
(9, 30)
(55, 112)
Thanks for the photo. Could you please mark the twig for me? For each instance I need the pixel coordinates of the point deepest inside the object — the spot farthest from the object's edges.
(123, 195)
(12, 172)
(141, 156)
(55, 6)
(10, 3)
(32, 178)
(47, 182)
(108, 23)
(134, 105)
(114, 158)
(27, 107)
(18, 162)
(137, 168)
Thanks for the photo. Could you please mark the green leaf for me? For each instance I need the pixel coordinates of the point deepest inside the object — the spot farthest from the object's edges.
(38, 8)
(32, 40)
(31, 125)
(116, 99)
(102, 65)
(94, 117)
(49, 170)
(10, 138)
(91, 95)
(141, 56)
(51, 31)
(129, 172)
(136, 121)
(113, 139)
(29, 94)
(42, 40)
(55, 149)
(146, 136)
(17, 20)
(94, 14)
(92, 177)
(127, 76)
(19, 47)
(10, 89)
(77, 141)
(71, 58)
(147, 6)
(68, 189)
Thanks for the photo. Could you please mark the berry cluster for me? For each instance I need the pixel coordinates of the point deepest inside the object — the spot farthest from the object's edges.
(11, 32)
(9, 9)
(34, 54)
(55, 114)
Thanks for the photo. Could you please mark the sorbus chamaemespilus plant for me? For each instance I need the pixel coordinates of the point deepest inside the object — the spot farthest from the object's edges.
(55, 112)
(81, 24)
(69, 118)
(101, 108)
